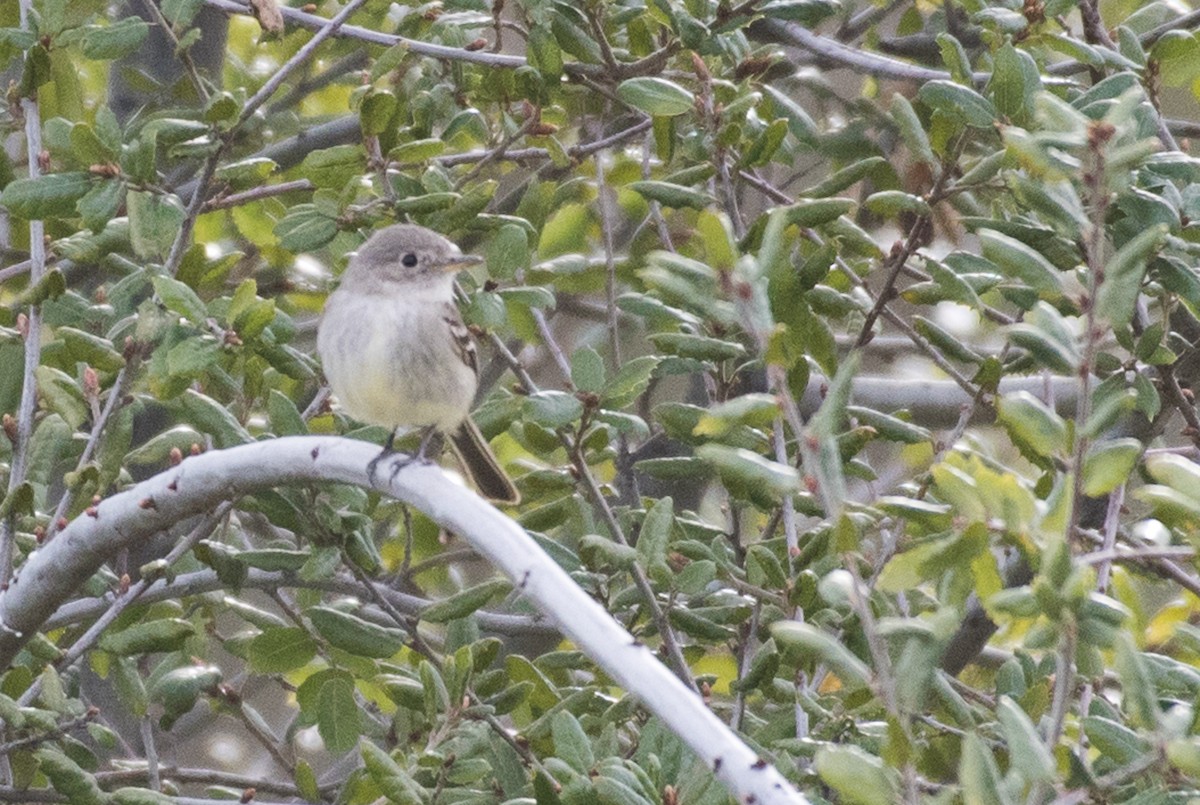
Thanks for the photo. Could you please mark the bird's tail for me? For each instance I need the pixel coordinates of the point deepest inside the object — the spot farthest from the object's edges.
(477, 458)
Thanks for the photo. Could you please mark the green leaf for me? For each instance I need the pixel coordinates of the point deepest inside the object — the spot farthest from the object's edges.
(248, 172)
(1117, 295)
(151, 637)
(745, 470)
(672, 195)
(51, 196)
(376, 112)
(62, 395)
(395, 783)
(1029, 755)
(654, 537)
(979, 774)
(800, 123)
(544, 53)
(764, 146)
(631, 379)
(1177, 54)
(355, 635)
(958, 102)
(1020, 261)
(100, 204)
(52, 285)
(277, 651)
(911, 130)
(68, 778)
(87, 147)
(1139, 693)
(305, 228)
(328, 697)
(806, 12)
(552, 409)
(154, 222)
(954, 56)
(587, 370)
(657, 97)
(890, 427)
(858, 777)
(464, 603)
(1177, 472)
(571, 744)
(426, 203)
(755, 410)
(179, 298)
(115, 40)
(93, 350)
(848, 176)
(889, 203)
(212, 418)
(333, 167)
(1015, 83)
(508, 252)
(1032, 424)
(1114, 740)
(686, 345)
(179, 689)
(1109, 464)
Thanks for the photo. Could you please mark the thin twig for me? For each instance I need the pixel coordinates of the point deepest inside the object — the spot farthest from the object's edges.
(150, 750)
(605, 199)
(1145, 554)
(314, 22)
(184, 56)
(256, 194)
(115, 394)
(15, 270)
(18, 466)
(551, 343)
(856, 59)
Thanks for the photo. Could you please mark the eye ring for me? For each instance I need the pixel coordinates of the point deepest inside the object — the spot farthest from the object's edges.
(409, 260)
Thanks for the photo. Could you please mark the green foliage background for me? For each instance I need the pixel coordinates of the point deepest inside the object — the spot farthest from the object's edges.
(689, 320)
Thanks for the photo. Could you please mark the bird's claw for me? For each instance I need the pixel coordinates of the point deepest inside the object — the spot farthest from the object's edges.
(398, 461)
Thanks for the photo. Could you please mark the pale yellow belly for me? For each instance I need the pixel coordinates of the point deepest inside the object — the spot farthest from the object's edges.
(393, 365)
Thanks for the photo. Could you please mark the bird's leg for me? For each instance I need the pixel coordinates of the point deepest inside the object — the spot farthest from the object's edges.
(387, 450)
(420, 457)
(426, 439)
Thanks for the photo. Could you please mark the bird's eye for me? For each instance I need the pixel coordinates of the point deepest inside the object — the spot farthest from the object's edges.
(409, 260)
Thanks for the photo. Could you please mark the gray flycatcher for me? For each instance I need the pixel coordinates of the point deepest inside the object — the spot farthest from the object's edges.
(396, 352)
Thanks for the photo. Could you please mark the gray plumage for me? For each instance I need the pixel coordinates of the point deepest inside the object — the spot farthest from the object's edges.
(395, 349)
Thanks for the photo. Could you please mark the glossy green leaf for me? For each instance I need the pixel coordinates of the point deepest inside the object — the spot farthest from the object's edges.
(1109, 464)
(1118, 291)
(280, 650)
(1020, 261)
(657, 97)
(328, 697)
(857, 777)
(672, 195)
(1032, 423)
(465, 602)
(51, 196)
(958, 102)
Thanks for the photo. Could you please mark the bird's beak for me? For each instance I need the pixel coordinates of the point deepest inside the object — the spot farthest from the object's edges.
(459, 262)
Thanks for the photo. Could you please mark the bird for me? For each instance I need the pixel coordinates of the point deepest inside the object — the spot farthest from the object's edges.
(396, 352)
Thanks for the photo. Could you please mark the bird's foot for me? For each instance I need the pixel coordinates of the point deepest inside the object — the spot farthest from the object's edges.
(402, 460)
(374, 463)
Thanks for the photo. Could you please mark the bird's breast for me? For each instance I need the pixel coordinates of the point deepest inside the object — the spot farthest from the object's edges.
(392, 362)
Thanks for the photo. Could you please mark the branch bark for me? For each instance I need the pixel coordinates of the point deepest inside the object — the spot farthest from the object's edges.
(51, 574)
